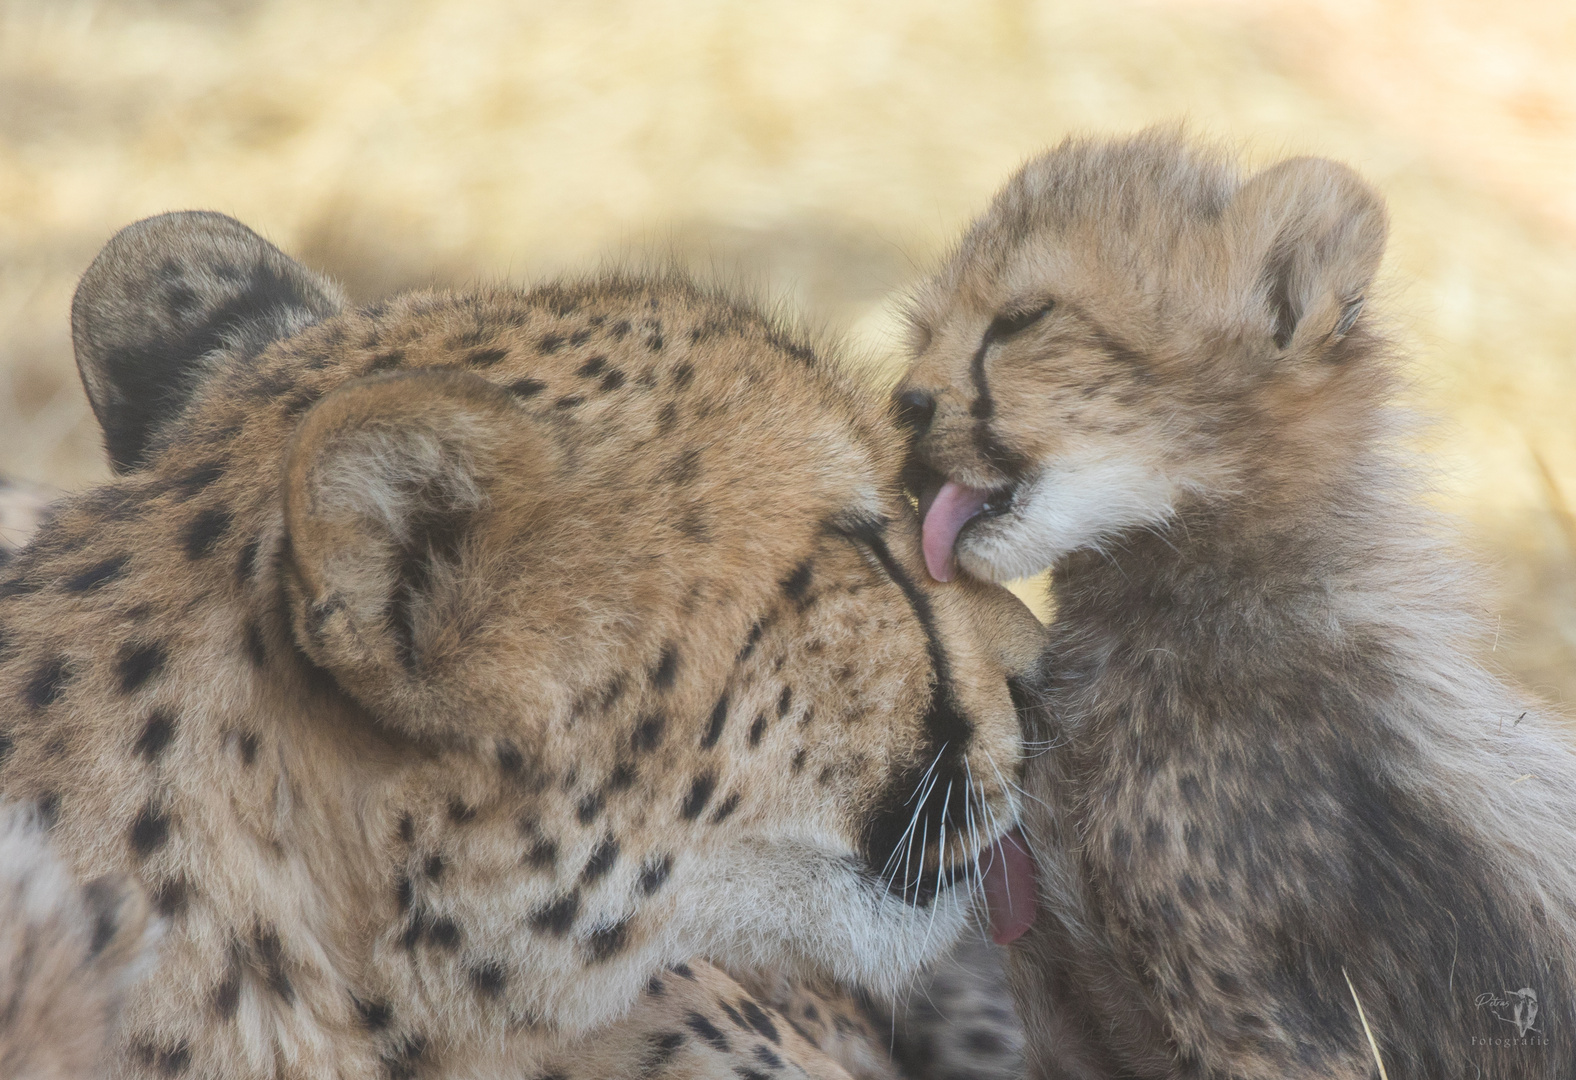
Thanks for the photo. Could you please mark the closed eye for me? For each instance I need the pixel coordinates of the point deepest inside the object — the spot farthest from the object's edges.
(1017, 320)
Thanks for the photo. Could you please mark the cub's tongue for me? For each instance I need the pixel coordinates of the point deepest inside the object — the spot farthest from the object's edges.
(1010, 888)
(952, 508)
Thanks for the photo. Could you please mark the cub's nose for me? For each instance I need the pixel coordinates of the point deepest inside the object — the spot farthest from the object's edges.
(915, 408)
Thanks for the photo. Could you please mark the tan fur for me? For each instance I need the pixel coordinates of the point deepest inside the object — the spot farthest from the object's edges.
(450, 670)
(68, 953)
(1268, 760)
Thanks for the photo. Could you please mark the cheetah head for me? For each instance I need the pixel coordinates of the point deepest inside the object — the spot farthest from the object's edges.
(1131, 331)
(592, 621)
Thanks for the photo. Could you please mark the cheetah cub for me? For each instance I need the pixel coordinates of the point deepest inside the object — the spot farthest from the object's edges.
(1284, 823)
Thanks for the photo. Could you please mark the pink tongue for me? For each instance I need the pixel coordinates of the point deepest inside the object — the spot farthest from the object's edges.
(1009, 888)
(952, 508)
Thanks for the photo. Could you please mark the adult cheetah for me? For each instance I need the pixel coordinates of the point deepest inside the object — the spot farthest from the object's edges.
(486, 684)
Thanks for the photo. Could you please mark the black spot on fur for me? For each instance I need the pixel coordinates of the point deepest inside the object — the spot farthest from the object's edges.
(171, 897)
(551, 343)
(608, 941)
(655, 874)
(589, 808)
(434, 867)
(226, 996)
(526, 388)
(757, 729)
(592, 367)
(138, 663)
(681, 469)
(48, 683)
(149, 831)
(18, 587)
(103, 899)
(247, 562)
(247, 745)
(558, 917)
(766, 1056)
(271, 958)
(374, 1015)
(489, 978)
(460, 813)
(708, 1032)
(648, 732)
(486, 358)
(682, 971)
(569, 401)
(796, 586)
(404, 893)
(543, 854)
(784, 702)
(204, 532)
(683, 375)
(164, 1060)
(725, 808)
(664, 1045)
(797, 762)
(750, 642)
(1154, 834)
(667, 667)
(510, 761)
(386, 361)
(98, 575)
(719, 716)
(699, 794)
(195, 479)
(156, 735)
(256, 650)
(612, 381)
(47, 807)
(601, 861)
(444, 933)
(402, 1061)
(407, 829)
(760, 1021)
(622, 777)
(667, 418)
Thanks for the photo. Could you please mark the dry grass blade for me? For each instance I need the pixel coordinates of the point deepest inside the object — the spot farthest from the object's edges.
(1368, 1031)
(1556, 496)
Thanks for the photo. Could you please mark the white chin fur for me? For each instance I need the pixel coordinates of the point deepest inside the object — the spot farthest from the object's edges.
(791, 908)
(1076, 501)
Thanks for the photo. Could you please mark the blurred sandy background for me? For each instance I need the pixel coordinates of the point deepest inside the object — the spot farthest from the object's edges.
(822, 152)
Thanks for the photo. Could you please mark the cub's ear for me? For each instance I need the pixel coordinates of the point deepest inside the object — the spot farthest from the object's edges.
(1306, 237)
(165, 303)
(394, 487)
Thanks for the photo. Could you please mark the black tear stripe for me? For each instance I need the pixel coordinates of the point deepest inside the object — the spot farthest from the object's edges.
(938, 774)
(999, 455)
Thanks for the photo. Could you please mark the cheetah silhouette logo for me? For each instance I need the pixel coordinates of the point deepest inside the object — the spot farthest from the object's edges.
(1521, 1004)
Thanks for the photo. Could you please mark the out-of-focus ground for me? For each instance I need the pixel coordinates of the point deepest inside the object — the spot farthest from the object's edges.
(824, 152)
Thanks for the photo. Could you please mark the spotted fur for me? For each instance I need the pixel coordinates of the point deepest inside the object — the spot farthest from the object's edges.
(456, 673)
(68, 953)
(1285, 822)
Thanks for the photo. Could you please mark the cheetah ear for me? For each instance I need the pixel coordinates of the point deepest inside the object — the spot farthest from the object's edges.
(1306, 238)
(393, 487)
(166, 302)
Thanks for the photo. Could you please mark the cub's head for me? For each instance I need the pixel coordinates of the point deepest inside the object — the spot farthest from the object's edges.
(1130, 329)
(620, 579)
